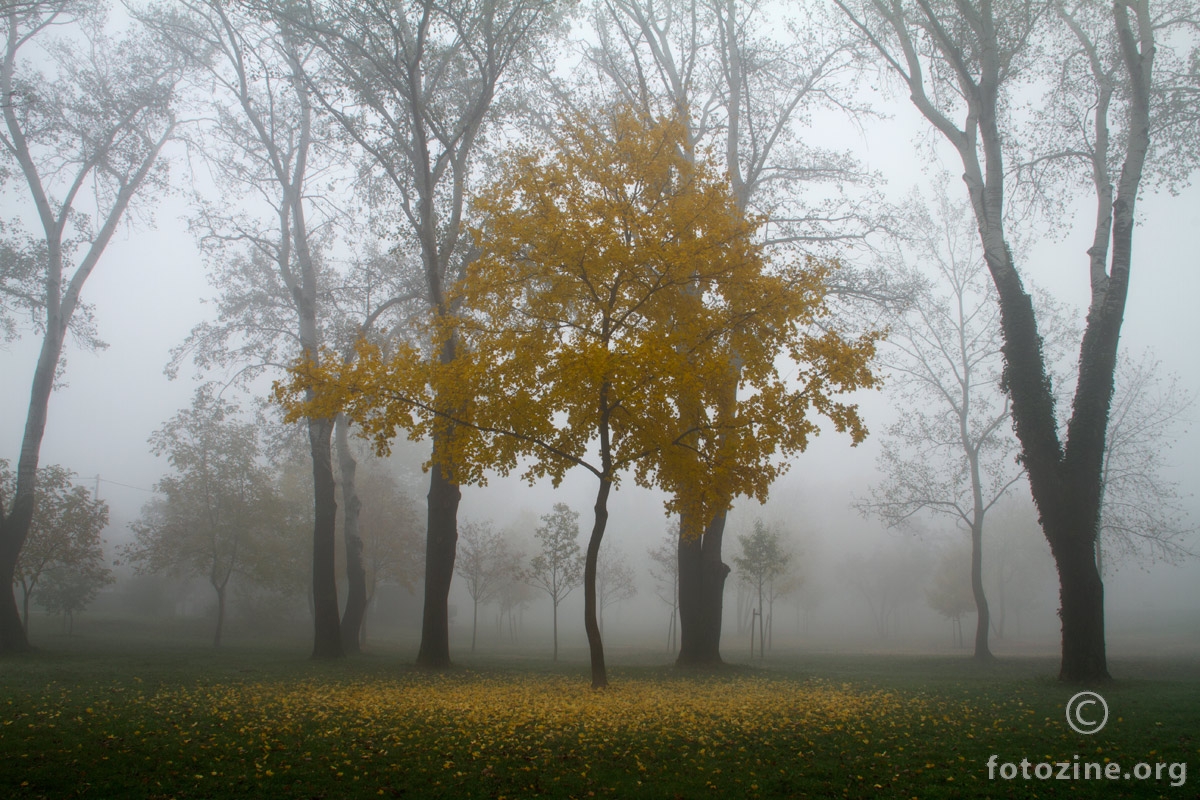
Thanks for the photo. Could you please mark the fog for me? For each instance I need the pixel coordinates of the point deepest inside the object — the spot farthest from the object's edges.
(150, 290)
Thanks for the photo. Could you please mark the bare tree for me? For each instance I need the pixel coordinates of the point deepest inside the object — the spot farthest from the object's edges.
(558, 568)
(1141, 513)
(264, 144)
(951, 451)
(961, 60)
(484, 562)
(614, 580)
(664, 569)
(83, 133)
(414, 85)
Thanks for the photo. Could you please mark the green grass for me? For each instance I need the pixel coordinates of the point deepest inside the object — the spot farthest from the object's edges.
(184, 721)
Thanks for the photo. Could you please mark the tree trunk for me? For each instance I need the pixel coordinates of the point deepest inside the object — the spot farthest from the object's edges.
(983, 620)
(691, 606)
(1081, 597)
(555, 628)
(327, 637)
(474, 621)
(15, 524)
(220, 615)
(702, 577)
(441, 542)
(590, 624)
(356, 574)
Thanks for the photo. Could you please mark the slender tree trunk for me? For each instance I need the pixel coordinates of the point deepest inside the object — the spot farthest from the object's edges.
(356, 574)
(441, 542)
(220, 615)
(555, 628)
(983, 620)
(590, 624)
(474, 621)
(26, 594)
(327, 637)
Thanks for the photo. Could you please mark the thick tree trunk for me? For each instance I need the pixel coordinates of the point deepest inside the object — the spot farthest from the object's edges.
(1081, 597)
(441, 542)
(356, 574)
(327, 637)
(983, 620)
(702, 577)
(590, 624)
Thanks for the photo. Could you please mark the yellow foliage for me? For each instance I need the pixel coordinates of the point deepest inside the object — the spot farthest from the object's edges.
(619, 297)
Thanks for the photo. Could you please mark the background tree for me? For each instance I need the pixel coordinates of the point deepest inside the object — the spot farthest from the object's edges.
(1142, 515)
(962, 60)
(558, 568)
(86, 113)
(888, 580)
(264, 144)
(211, 512)
(950, 451)
(761, 561)
(70, 587)
(614, 580)
(664, 569)
(484, 562)
(952, 594)
(64, 533)
(654, 275)
(414, 87)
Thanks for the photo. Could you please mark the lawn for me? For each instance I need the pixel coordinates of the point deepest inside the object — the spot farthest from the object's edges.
(191, 723)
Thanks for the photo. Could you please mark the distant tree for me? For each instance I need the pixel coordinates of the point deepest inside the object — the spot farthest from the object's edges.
(70, 588)
(888, 580)
(1141, 513)
(664, 569)
(64, 534)
(761, 561)
(951, 594)
(389, 526)
(484, 562)
(951, 451)
(558, 568)
(614, 580)
(86, 114)
(210, 515)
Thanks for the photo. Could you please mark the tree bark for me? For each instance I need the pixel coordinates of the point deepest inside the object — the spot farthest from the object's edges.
(983, 620)
(702, 577)
(356, 574)
(590, 624)
(441, 542)
(1081, 594)
(327, 637)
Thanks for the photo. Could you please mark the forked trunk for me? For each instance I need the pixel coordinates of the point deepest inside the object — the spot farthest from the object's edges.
(590, 624)
(441, 542)
(356, 573)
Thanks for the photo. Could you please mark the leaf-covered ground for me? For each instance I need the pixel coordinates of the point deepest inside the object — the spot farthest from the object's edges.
(146, 728)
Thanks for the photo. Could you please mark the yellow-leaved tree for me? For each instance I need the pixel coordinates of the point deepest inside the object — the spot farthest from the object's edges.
(617, 291)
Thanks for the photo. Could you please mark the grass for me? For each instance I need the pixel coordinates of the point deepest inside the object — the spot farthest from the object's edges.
(188, 722)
